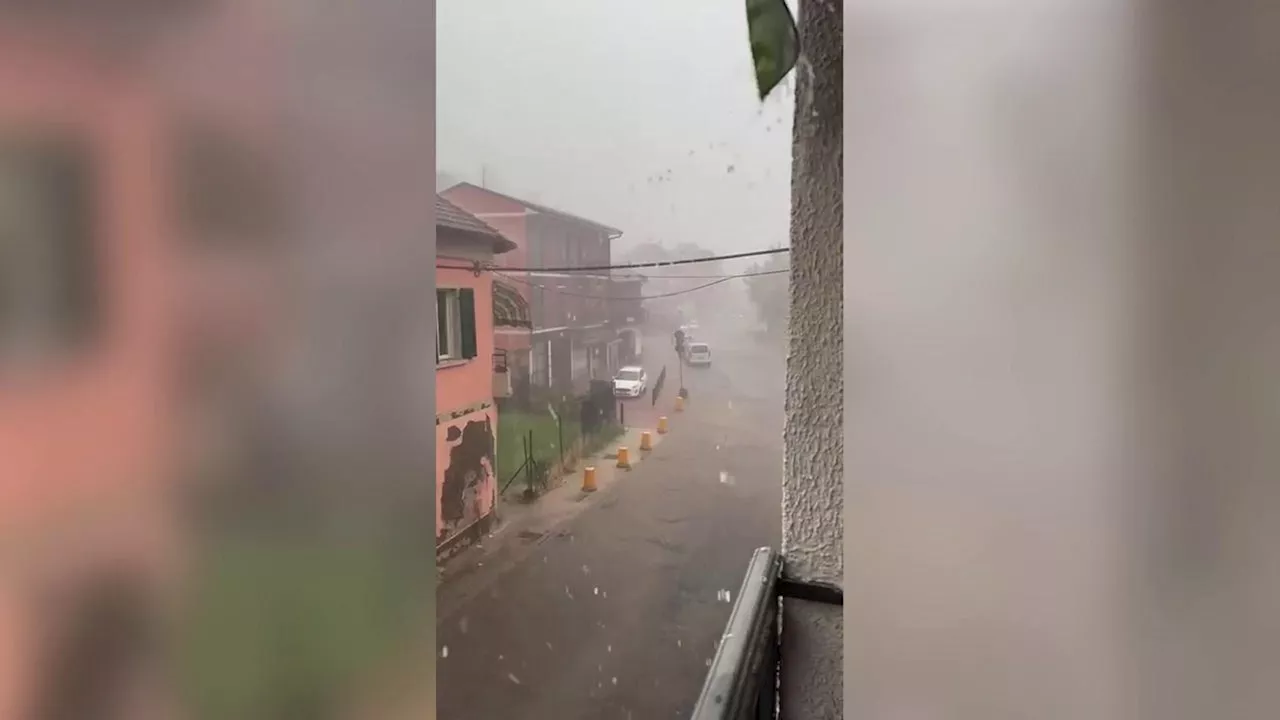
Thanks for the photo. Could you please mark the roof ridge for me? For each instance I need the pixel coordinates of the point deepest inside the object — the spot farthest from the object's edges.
(538, 207)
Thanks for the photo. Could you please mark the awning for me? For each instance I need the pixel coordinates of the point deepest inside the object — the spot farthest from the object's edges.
(509, 307)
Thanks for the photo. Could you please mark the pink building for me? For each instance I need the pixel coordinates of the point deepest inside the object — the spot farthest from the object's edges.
(467, 371)
(573, 338)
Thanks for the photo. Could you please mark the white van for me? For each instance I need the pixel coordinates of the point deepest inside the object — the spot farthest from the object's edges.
(698, 353)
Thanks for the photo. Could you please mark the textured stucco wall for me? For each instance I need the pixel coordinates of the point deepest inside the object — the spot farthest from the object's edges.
(813, 489)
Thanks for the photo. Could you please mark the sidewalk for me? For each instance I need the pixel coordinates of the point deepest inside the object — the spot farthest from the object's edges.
(522, 527)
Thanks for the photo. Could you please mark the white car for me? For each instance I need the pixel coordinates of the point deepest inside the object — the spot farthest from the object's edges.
(630, 382)
(698, 353)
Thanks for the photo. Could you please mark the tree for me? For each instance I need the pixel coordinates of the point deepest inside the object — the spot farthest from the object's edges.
(663, 281)
(770, 293)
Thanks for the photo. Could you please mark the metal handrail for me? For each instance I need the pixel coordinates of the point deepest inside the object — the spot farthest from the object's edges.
(742, 681)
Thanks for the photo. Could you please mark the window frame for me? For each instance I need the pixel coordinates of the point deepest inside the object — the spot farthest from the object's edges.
(461, 343)
(450, 335)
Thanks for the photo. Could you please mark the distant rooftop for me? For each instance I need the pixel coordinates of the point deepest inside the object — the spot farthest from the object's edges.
(544, 209)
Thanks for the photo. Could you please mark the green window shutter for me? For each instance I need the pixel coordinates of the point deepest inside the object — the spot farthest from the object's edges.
(442, 322)
(467, 319)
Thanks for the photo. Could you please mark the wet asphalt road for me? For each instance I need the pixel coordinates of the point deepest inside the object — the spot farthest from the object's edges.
(617, 614)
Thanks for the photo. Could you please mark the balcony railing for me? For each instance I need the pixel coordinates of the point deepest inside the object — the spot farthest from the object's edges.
(743, 681)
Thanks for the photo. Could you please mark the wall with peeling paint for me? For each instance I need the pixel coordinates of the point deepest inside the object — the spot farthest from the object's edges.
(466, 416)
(466, 485)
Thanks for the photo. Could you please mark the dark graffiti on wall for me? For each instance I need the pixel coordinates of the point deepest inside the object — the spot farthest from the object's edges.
(469, 486)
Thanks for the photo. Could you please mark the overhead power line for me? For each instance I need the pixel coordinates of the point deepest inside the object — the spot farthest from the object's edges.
(703, 286)
(717, 276)
(622, 266)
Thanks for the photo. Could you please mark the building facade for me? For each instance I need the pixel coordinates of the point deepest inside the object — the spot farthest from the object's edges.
(466, 415)
(573, 338)
(628, 315)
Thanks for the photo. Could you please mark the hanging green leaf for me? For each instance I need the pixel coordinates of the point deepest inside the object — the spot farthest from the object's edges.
(775, 42)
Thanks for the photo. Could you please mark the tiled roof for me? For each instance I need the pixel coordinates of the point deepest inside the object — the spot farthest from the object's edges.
(451, 216)
(546, 210)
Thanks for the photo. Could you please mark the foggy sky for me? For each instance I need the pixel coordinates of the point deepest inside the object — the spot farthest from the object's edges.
(580, 104)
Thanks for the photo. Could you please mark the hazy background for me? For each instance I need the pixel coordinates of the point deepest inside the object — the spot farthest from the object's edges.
(640, 115)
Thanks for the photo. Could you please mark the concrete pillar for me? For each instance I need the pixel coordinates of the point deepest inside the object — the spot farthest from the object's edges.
(813, 482)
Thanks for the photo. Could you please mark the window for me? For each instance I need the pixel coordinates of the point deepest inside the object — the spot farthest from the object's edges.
(46, 263)
(455, 324)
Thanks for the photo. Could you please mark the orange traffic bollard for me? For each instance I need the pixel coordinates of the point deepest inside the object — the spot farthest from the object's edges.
(646, 441)
(588, 479)
(662, 425)
(679, 404)
(623, 461)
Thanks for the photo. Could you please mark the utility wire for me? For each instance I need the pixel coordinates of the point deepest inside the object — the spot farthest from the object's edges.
(623, 266)
(703, 286)
(709, 277)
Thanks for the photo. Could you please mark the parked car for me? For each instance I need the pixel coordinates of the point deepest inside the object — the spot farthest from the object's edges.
(631, 381)
(698, 354)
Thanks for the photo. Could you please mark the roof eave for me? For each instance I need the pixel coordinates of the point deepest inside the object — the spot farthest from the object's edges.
(503, 245)
(499, 244)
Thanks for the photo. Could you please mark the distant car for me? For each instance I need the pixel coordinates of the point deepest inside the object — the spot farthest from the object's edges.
(698, 353)
(630, 382)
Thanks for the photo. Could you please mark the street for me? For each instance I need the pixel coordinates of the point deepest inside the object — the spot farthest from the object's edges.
(616, 613)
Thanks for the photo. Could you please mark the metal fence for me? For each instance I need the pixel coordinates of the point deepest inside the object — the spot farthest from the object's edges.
(551, 438)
